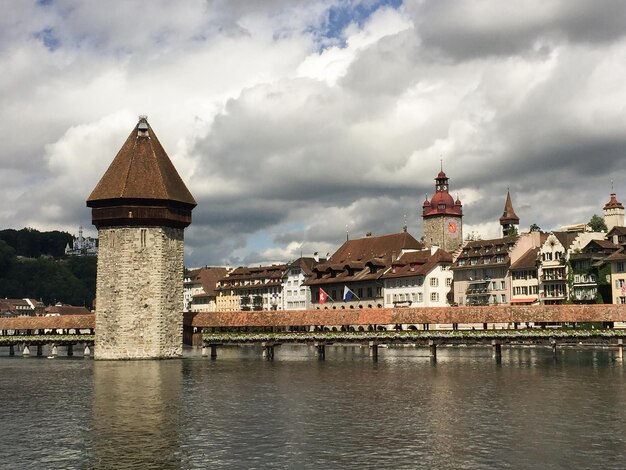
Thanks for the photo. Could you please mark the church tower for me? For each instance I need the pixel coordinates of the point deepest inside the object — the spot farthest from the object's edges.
(442, 216)
(613, 213)
(509, 220)
(140, 208)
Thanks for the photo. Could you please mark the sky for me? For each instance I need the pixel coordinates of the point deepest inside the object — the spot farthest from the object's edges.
(296, 123)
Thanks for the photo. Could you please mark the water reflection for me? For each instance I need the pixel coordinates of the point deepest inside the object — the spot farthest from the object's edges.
(136, 414)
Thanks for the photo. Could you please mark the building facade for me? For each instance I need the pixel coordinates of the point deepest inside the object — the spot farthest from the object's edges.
(419, 279)
(82, 246)
(353, 276)
(481, 272)
(296, 294)
(256, 288)
(613, 213)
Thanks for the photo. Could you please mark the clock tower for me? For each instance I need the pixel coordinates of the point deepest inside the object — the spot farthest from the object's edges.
(442, 215)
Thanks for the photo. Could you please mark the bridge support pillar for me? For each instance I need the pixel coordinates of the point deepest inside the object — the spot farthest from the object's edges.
(374, 350)
(553, 343)
(55, 351)
(11, 350)
(620, 349)
(214, 351)
(497, 349)
(321, 351)
(433, 349)
(26, 351)
(70, 350)
(39, 350)
(87, 351)
(268, 351)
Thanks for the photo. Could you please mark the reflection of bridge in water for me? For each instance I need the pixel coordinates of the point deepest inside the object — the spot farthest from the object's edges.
(492, 326)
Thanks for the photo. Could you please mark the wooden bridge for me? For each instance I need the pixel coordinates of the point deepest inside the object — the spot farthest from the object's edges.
(432, 327)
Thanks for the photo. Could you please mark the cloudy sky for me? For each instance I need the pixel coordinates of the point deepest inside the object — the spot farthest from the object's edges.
(291, 120)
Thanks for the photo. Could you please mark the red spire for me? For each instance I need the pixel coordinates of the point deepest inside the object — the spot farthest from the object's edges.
(613, 203)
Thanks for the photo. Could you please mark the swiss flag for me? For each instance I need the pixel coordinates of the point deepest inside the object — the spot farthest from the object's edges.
(323, 296)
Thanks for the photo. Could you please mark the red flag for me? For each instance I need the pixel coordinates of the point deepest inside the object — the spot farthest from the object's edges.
(323, 296)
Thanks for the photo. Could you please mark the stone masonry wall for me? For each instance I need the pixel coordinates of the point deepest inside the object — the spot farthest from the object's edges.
(435, 233)
(139, 293)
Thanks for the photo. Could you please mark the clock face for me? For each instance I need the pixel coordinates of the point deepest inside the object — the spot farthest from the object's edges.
(451, 227)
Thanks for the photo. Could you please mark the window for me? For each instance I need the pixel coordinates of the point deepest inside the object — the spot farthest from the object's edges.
(369, 292)
(420, 297)
(502, 285)
(448, 282)
(434, 297)
(144, 236)
(620, 267)
(532, 290)
(360, 292)
(434, 282)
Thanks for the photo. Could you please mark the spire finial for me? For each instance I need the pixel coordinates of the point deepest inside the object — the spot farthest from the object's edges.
(612, 188)
(441, 161)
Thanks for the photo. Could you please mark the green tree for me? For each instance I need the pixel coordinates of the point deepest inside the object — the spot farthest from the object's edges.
(597, 223)
(535, 228)
(7, 257)
(511, 231)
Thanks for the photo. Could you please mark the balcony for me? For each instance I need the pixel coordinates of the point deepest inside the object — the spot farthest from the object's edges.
(553, 278)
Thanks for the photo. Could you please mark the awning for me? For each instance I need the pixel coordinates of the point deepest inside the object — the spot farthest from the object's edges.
(524, 300)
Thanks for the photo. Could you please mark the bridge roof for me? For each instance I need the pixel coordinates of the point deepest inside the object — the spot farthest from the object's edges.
(86, 321)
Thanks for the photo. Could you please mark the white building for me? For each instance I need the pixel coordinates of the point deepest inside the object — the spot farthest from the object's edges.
(82, 246)
(296, 295)
(419, 279)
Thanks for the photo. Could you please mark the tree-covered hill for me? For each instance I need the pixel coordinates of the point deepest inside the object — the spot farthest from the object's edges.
(32, 243)
(70, 280)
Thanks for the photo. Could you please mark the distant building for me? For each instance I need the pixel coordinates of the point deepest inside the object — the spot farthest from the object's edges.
(443, 218)
(297, 295)
(82, 246)
(62, 309)
(613, 213)
(251, 289)
(353, 276)
(419, 279)
(199, 288)
(618, 276)
(590, 270)
(480, 272)
(509, 220)
(20, 308)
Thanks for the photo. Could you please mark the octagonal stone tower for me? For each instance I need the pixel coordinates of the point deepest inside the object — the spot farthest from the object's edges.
(140, 207)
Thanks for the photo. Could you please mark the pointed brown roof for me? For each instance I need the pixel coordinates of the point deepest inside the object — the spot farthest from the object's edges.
(509, 216)
(141, 170)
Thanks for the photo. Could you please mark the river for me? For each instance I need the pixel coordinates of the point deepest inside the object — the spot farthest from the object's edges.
(464, 411)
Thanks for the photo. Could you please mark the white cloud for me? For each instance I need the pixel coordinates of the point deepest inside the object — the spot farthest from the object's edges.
(285, 136)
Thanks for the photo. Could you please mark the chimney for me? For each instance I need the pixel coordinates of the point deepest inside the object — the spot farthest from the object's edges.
(368, 234)
(316, 257)
(433, 249)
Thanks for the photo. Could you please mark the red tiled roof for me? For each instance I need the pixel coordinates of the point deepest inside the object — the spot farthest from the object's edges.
(66, 310)
(527, 261)
(209, 277)
(141, 170)
(613, 203)
(365, 257)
